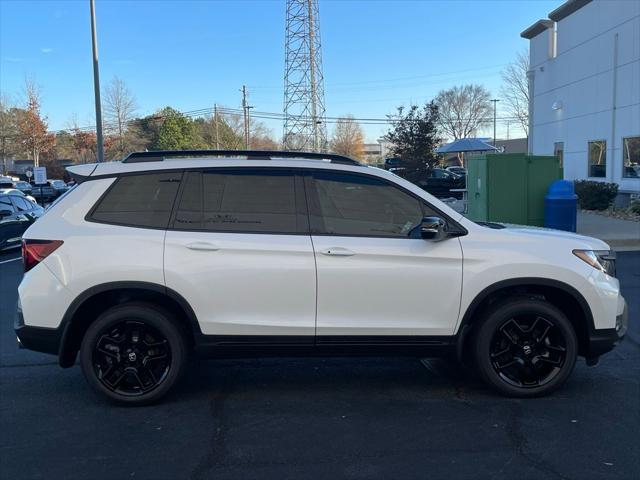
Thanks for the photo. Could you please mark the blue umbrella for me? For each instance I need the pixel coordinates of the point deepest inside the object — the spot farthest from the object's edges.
(466, 145)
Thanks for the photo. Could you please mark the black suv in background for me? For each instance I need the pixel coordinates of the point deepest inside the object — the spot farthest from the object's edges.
(45, 193)
(438, 182)
(16, 215)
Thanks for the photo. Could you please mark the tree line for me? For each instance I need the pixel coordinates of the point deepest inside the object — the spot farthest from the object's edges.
(414, 133)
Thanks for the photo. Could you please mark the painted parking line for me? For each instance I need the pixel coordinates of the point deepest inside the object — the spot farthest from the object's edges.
(11, 260)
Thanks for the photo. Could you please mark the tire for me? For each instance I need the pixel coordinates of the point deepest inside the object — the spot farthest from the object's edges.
(133, 353)
(525, 347)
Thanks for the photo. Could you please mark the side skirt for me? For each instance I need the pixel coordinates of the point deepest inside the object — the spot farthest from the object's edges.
(232, 346)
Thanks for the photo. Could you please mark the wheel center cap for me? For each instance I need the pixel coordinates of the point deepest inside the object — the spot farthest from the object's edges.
(132, 356)
(527, 350)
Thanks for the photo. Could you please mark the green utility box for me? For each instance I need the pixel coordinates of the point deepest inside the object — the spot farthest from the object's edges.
(509, 188)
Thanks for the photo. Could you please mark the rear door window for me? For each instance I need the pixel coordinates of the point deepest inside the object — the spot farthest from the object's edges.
(241, 200)
(143, 200)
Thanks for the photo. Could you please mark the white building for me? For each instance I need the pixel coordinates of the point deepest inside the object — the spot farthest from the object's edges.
(375, 153)
(584, 84)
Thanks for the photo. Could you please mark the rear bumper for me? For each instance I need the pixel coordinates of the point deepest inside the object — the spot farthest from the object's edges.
(604, 340)
(39, 339)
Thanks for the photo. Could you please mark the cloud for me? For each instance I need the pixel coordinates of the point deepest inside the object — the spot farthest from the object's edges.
(46, 50)
(13, 59)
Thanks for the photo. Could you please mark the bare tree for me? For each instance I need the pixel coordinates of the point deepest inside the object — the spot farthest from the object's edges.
(463, 110)
(347, 138)
(515, 89)
(120, 106)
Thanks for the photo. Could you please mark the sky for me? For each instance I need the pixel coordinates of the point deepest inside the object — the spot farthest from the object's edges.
(377, 54)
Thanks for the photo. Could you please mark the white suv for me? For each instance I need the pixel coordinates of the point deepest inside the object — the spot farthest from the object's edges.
(263, 253)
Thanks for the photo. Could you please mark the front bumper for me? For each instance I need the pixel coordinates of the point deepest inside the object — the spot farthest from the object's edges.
(39, 339)
(604, 340)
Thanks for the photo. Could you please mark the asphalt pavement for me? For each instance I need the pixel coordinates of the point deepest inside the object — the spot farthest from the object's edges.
(320, 418)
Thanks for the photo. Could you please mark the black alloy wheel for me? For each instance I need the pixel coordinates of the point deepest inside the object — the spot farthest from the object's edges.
(525, 347)
(134, 353)
(131, 358)
(528, 351)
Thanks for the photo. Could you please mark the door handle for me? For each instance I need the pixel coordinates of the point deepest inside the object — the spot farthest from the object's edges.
(337, 252)
(205, 246)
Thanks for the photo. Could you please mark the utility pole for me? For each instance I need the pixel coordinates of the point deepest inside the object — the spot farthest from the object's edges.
(247, 119)
(215, 119)
(96, 84)
(495, 102)
(245, 113)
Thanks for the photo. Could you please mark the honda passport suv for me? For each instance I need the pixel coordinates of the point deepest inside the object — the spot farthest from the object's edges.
(279, 253)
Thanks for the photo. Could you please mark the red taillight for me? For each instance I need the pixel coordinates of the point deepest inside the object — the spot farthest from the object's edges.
(34, 251)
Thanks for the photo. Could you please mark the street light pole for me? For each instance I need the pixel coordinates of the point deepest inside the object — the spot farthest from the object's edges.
(495, 102)
(96, 84)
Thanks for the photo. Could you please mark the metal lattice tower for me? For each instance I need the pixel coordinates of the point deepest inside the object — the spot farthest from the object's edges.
(304, 124)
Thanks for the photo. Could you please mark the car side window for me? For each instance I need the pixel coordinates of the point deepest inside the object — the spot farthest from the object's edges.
(361, 205)
(21, 204)
(143, 200)
(239, 200)
(5, 204)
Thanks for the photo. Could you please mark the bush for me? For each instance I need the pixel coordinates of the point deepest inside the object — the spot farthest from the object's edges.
(634, 207)
(595, 195)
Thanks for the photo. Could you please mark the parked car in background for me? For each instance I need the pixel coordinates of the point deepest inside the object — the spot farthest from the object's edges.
(437, 181)
(15, 191)
(6, 182)
(44, 193)
(458, 171)
(24, 187)
(59, 186)
(16, 215)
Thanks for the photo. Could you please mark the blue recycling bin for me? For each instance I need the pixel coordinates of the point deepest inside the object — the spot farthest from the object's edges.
(561, 206)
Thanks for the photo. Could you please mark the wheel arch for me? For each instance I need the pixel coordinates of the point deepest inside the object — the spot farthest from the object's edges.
(562, 295)
(90, 303)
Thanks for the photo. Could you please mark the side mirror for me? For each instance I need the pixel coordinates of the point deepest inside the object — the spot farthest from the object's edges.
(433, 228)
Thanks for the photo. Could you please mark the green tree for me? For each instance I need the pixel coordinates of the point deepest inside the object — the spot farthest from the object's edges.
(414, 136)
(176, 132)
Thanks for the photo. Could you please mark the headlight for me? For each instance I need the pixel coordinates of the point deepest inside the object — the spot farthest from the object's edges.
(603, 260)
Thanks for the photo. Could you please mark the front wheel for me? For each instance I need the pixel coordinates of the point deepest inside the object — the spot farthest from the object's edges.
(525, 347)
(133, 353)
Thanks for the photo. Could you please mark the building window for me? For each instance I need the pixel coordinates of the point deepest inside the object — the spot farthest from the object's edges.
(558, 151)
(598, 158)
(631, 157)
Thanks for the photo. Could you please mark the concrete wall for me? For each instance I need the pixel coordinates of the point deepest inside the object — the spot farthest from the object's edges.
(580, 82)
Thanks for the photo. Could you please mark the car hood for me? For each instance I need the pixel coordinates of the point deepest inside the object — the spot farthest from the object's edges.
(548, 233)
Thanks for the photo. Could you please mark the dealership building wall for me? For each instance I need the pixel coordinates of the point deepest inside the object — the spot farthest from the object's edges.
(584, 84)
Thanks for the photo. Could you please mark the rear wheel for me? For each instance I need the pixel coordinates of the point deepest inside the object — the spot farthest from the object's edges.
(133, 353)
(525, 347)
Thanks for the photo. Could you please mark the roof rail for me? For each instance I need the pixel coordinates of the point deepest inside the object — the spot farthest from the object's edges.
(158, 156)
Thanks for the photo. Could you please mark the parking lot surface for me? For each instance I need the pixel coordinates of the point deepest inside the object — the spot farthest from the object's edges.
(320, 418)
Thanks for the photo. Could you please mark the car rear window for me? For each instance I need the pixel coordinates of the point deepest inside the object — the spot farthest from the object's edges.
(143, 200)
